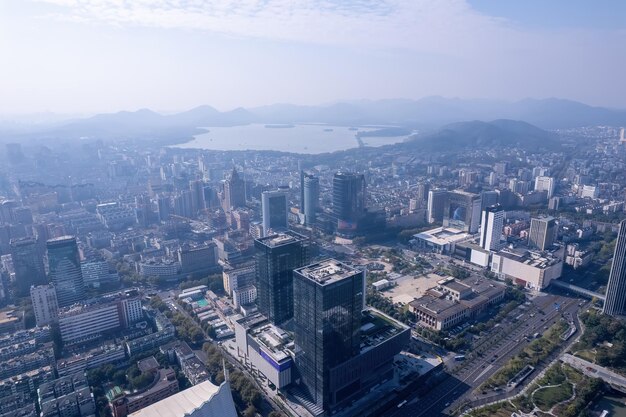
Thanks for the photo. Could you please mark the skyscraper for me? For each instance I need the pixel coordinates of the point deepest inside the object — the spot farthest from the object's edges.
(491, 226)
(436, 202)
(311, 199)
(28, 265)
(65, 271)
(276, 257)
(348, 199)
(234, 192)
(274, 209)
(542, 232)
(327, 321)
(615, 302)
(197, 196)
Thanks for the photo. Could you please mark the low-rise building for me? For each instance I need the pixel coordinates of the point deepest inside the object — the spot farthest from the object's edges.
(164, 385)
(452, 302)
(67, 396)
(530, 269)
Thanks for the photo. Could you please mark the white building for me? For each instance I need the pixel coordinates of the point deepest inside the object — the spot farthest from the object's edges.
(131, 310)
(589, 191)
(202, 400)
(84, 323)
(45, 306)
(244, 295)
(491, 226)
(545, 184)
(533, 270)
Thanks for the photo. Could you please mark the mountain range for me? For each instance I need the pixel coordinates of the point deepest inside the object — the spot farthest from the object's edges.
(427, 114)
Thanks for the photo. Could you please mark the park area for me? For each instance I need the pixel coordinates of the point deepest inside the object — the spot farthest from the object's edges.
(561, 392)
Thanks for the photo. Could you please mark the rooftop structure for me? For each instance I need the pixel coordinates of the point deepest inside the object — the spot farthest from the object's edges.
(202, 400)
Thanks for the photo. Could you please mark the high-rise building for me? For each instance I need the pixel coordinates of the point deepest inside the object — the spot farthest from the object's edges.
(545, 184)
(274, 208)
(543, 232)
(491, 226)
(615, 302)
(436, 203)
(45, 306)
(311, 198)
(348, 199)
(64, 269)
(234, 192)
(27, 264)
(488, 199)
(462, 211)
(276, 257)
(327, 323)
(197, 196)
(422, 191)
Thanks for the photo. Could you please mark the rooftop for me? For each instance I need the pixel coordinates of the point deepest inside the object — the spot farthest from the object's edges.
(443, 235)
(282, 238)
(327, 271)
(214, 401)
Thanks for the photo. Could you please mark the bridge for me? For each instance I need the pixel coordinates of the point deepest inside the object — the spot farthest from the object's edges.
(577, 290)
(616, 381)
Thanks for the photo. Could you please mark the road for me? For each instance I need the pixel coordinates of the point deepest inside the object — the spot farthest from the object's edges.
(458, 387)
(617, 381)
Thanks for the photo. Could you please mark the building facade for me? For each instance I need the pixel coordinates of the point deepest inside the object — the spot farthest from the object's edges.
(274, 209)
(45, 305)
(276, 257)
(65, 270)
(615, 302)
(27, 264)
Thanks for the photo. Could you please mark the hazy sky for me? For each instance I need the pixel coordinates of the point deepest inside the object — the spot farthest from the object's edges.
(107, 55)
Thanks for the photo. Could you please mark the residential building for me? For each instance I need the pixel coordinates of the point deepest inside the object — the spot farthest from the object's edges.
(45, 305)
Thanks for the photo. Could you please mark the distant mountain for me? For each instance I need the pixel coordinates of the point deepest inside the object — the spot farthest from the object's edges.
(424, 114)
(436, 111)
(477, 134)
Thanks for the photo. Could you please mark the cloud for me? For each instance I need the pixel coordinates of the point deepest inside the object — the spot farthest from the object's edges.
(432, 26)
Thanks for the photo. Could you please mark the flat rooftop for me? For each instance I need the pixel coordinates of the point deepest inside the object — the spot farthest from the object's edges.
(443, 235)
(376, 328)
(327, 271)
(283, 238)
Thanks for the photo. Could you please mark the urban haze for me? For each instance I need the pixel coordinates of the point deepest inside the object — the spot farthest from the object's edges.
(316, 208)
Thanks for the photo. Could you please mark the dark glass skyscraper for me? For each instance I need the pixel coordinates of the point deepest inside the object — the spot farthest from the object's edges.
(276, 257)
(348, 199)
(28, 265)
(234, 192)
(64, 270)
(615, 302)
(274, 208)
(327, 320)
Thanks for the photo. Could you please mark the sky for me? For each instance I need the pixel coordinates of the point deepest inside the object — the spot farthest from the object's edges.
(90, 56)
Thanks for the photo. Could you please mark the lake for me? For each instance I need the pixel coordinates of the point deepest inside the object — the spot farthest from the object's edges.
(306, 139)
